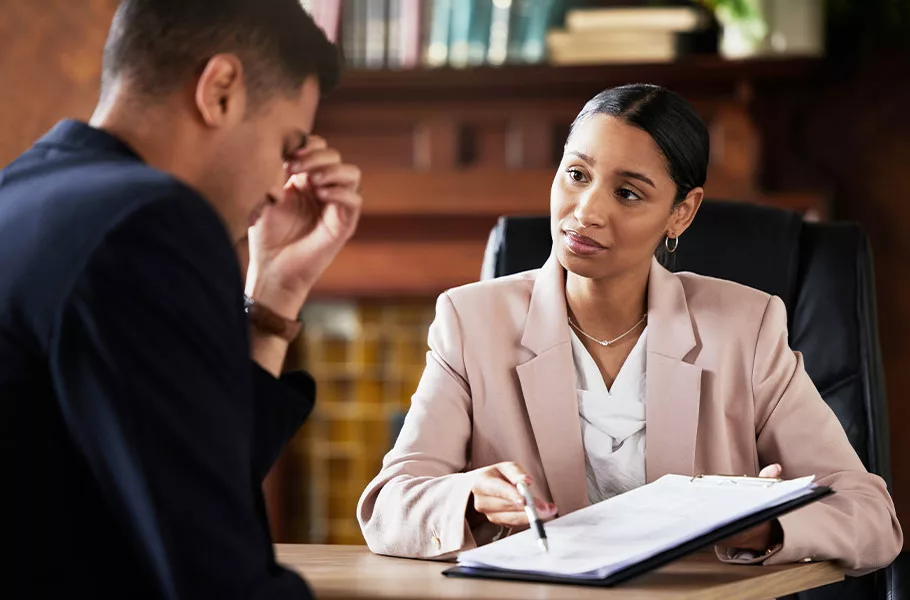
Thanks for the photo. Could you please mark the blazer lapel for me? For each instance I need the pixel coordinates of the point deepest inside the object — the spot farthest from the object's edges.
(673, 384)
(548, 386)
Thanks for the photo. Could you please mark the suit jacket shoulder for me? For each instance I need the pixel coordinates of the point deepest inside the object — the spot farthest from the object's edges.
(725, 314)
(57, 208)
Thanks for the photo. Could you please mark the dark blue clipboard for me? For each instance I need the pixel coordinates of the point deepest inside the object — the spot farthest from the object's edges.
(656, 561)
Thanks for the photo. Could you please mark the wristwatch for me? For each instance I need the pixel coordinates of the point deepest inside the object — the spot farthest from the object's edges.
(268, 321)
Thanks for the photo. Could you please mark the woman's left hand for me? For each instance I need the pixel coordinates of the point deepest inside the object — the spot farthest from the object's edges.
(764, 536)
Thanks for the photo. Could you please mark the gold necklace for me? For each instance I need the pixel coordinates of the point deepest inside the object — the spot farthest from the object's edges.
(606, 343)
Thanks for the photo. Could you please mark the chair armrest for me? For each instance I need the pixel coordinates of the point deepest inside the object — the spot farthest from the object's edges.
(897, 578)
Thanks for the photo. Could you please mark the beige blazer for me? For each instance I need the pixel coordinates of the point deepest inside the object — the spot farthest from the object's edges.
(725, 394)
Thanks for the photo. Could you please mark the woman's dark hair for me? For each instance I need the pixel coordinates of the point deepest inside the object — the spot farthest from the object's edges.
(669, 119)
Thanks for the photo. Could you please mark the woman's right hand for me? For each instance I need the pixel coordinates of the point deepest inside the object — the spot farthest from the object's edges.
(496, 496)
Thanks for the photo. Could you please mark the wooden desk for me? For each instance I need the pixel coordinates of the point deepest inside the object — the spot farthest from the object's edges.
(349, 572)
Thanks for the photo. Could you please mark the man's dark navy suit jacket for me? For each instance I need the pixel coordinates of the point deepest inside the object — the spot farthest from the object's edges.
(140, 429)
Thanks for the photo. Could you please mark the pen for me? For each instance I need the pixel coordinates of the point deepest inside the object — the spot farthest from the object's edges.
(531, 511)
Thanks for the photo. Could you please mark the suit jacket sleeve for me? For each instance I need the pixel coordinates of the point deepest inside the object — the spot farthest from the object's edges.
(281, 407)
(150, 361)
(416, 505)
(857, 526)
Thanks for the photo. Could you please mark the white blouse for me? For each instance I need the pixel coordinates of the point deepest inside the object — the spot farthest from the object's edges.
(612, 421)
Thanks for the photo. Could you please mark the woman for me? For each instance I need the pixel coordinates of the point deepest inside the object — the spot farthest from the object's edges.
(602, 371)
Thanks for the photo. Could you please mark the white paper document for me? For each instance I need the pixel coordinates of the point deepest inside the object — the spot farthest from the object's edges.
(600, 540)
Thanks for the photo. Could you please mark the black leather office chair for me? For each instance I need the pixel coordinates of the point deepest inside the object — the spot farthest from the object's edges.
(823, 273)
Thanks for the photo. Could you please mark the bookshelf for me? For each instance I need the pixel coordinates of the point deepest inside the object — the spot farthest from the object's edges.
(526, 82)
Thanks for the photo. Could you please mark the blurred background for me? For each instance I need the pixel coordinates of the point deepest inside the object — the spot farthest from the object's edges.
(457, 110)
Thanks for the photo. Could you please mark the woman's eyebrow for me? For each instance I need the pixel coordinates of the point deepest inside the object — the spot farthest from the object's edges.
(588, 159)
(638, 176)
(624, 173)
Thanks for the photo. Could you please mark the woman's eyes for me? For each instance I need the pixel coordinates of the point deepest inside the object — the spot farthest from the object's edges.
(624, 193)
(627, 194)
(576, 175)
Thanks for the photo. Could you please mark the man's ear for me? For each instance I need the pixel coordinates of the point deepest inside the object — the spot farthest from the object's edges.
(221, 92)
(684, 212)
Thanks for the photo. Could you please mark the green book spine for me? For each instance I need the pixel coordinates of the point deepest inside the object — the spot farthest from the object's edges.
(479, 33)
(518, 25)
(533, 49)
(462, 15)
(437, 49)
(499, 32)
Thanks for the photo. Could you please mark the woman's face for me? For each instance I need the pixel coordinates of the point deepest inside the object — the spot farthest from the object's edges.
(611, 202)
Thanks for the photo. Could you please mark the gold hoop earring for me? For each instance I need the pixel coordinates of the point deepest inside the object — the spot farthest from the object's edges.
(667, 244)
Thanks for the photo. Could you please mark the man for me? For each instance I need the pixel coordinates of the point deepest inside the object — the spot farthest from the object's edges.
(142, 428)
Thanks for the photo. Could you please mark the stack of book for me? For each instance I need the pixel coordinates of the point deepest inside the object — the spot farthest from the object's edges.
(628, 35)
(403, 34)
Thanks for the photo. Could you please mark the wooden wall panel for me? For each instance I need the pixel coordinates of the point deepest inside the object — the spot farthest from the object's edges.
(385, 146)
(50, 65)
(433, 265)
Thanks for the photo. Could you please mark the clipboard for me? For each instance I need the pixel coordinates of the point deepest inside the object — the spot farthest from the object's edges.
(662, 558)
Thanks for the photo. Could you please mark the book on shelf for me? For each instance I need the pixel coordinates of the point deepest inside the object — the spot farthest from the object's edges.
(353, 32)
(465, 33)
(411, 18)
(533, 47)
(469, 33)
(677, 19)
(434, 33)
(436, 53)
(375, 43)
(497, 48)
(393, 45)
(566, 48)
(528, 23)
(629, 35)
(479, 31)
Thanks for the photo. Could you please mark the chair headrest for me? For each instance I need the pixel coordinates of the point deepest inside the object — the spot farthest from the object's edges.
(757, 246)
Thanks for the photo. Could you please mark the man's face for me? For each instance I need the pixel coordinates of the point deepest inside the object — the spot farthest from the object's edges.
(250, 168)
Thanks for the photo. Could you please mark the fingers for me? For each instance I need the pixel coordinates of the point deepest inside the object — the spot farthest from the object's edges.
(519, 518)
(321, 172)
(345, 193)
(545, 510)
(340, 220)
(513, 473)
(335, 174)
(491, 484)
(513, 519)
(497, 498)
(344, 196)
(773, 471)
(312, 160)
(313, 142)
(489, 505)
